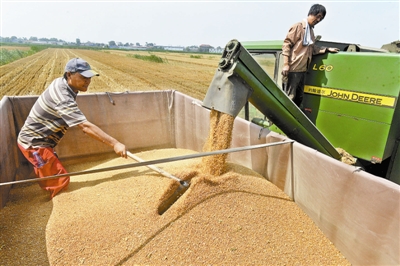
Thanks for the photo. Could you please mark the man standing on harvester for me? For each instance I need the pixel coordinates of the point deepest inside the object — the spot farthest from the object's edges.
(52, 114)
(298, 49)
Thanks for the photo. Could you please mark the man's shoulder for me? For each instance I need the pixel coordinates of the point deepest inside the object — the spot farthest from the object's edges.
(60, 82)
(299, 24)
(60, 92)
(57, 84)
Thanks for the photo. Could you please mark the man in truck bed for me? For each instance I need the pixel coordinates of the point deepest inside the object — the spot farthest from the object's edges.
(53, 113)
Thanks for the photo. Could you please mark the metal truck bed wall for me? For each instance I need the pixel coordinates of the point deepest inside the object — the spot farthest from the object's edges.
(357, 211)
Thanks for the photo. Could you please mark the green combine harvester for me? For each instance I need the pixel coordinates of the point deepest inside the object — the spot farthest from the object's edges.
(350, 100)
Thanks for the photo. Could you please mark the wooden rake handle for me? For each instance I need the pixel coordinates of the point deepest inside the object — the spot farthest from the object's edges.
(152, 167)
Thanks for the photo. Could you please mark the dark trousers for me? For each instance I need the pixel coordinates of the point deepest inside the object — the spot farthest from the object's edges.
(294, 87)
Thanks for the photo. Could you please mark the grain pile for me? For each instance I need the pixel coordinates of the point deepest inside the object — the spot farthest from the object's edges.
(111, 219)
(230, 215)
(346, 157)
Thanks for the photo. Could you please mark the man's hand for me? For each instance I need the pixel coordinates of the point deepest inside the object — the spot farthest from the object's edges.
(285, 70)
(120, 149)
(333, 50)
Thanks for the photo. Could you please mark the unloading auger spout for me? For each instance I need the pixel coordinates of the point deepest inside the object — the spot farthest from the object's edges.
(240, 79)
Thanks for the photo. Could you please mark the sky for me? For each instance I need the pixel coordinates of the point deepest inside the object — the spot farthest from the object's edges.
(186, 23)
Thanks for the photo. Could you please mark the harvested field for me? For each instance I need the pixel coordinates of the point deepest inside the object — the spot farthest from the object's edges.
(118, 72)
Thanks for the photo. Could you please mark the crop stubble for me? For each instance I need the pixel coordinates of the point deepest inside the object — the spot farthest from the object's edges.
(118, 72)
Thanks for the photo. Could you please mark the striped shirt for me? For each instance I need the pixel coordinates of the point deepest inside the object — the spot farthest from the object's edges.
(52, 114)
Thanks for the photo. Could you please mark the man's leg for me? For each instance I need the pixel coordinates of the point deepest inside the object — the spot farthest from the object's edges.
(289, 87)
(52, 166)
(294, 87)
(300, 89)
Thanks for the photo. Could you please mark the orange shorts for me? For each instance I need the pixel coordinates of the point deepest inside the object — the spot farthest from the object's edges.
(53, 166)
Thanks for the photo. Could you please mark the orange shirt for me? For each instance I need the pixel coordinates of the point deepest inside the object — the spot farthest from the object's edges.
(297, 56)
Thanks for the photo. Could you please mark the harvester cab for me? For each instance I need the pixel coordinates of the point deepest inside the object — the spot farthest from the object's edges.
(350, 100)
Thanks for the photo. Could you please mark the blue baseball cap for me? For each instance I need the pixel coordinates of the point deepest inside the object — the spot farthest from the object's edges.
(81, 66)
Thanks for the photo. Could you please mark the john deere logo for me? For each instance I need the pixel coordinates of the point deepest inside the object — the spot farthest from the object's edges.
(352, 96)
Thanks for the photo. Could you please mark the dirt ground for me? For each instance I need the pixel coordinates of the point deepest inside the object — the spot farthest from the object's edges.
(118, 72)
